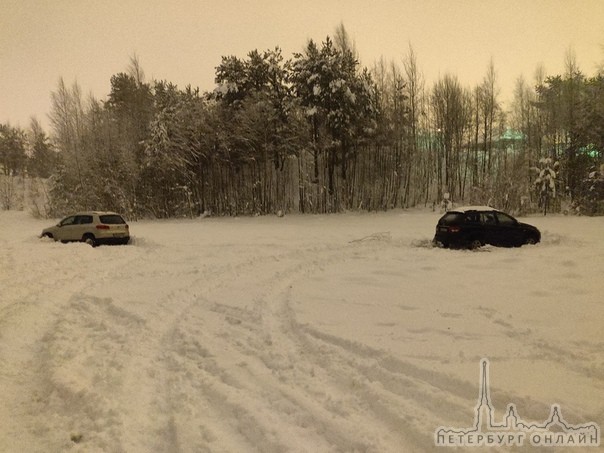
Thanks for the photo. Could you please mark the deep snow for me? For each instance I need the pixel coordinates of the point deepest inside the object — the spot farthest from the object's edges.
(303, 333)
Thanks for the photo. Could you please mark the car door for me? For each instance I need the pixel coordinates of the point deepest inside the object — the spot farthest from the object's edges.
(67, 229)
(508, 231)
(83, 225)
(472, 229)
(489, 227)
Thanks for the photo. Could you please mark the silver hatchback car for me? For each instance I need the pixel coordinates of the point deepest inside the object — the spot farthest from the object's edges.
(93, 227)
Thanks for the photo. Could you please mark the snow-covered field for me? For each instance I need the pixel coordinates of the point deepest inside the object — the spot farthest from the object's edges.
(304, 333)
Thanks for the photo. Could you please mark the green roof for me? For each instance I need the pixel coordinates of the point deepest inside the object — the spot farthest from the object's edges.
(511, 134)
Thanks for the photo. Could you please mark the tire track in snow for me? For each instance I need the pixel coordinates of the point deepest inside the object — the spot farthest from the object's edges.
(383, 386)
(218, 357)
(103, 359)
(297, 372)
(25, 326)
(530, 344)
(218, 389)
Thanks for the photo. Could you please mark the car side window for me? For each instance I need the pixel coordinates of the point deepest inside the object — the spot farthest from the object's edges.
(68, 221)
(505, 219)
(112, 219)
(488, 218)
(83, 219)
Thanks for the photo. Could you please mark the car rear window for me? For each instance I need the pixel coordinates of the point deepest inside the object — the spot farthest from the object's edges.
(111, 219)
(451, 218)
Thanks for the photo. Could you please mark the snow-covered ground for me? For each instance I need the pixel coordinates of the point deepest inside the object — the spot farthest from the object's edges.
(304, 333)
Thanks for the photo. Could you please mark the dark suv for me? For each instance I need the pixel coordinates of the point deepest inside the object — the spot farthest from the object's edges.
(475, 226)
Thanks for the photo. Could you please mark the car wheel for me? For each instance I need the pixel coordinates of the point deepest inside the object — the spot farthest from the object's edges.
(89, 239)
(530, 240)
(475, 244)
(47, 235)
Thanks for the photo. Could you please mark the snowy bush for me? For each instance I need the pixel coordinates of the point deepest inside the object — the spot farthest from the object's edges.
(545, 183)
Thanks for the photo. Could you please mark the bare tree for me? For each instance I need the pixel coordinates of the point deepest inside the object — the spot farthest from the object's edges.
(489, 106)
(135, 70)
(67, 120)
(451, 106)
(343, 42)
(415, 84)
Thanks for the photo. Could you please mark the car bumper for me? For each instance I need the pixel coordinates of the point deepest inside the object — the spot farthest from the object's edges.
(450, 240)
(113, 240)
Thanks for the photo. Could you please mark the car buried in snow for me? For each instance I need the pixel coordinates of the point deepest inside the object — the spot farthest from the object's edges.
(474, 226)
(92, 227)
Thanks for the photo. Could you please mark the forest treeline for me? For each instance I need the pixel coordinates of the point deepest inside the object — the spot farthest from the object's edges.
(317, 133)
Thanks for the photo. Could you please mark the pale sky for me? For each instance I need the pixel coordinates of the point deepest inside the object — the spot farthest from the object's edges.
(182, 41)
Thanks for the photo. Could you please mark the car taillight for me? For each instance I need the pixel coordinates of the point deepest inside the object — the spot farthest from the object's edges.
(453, 229)
(102, 227)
